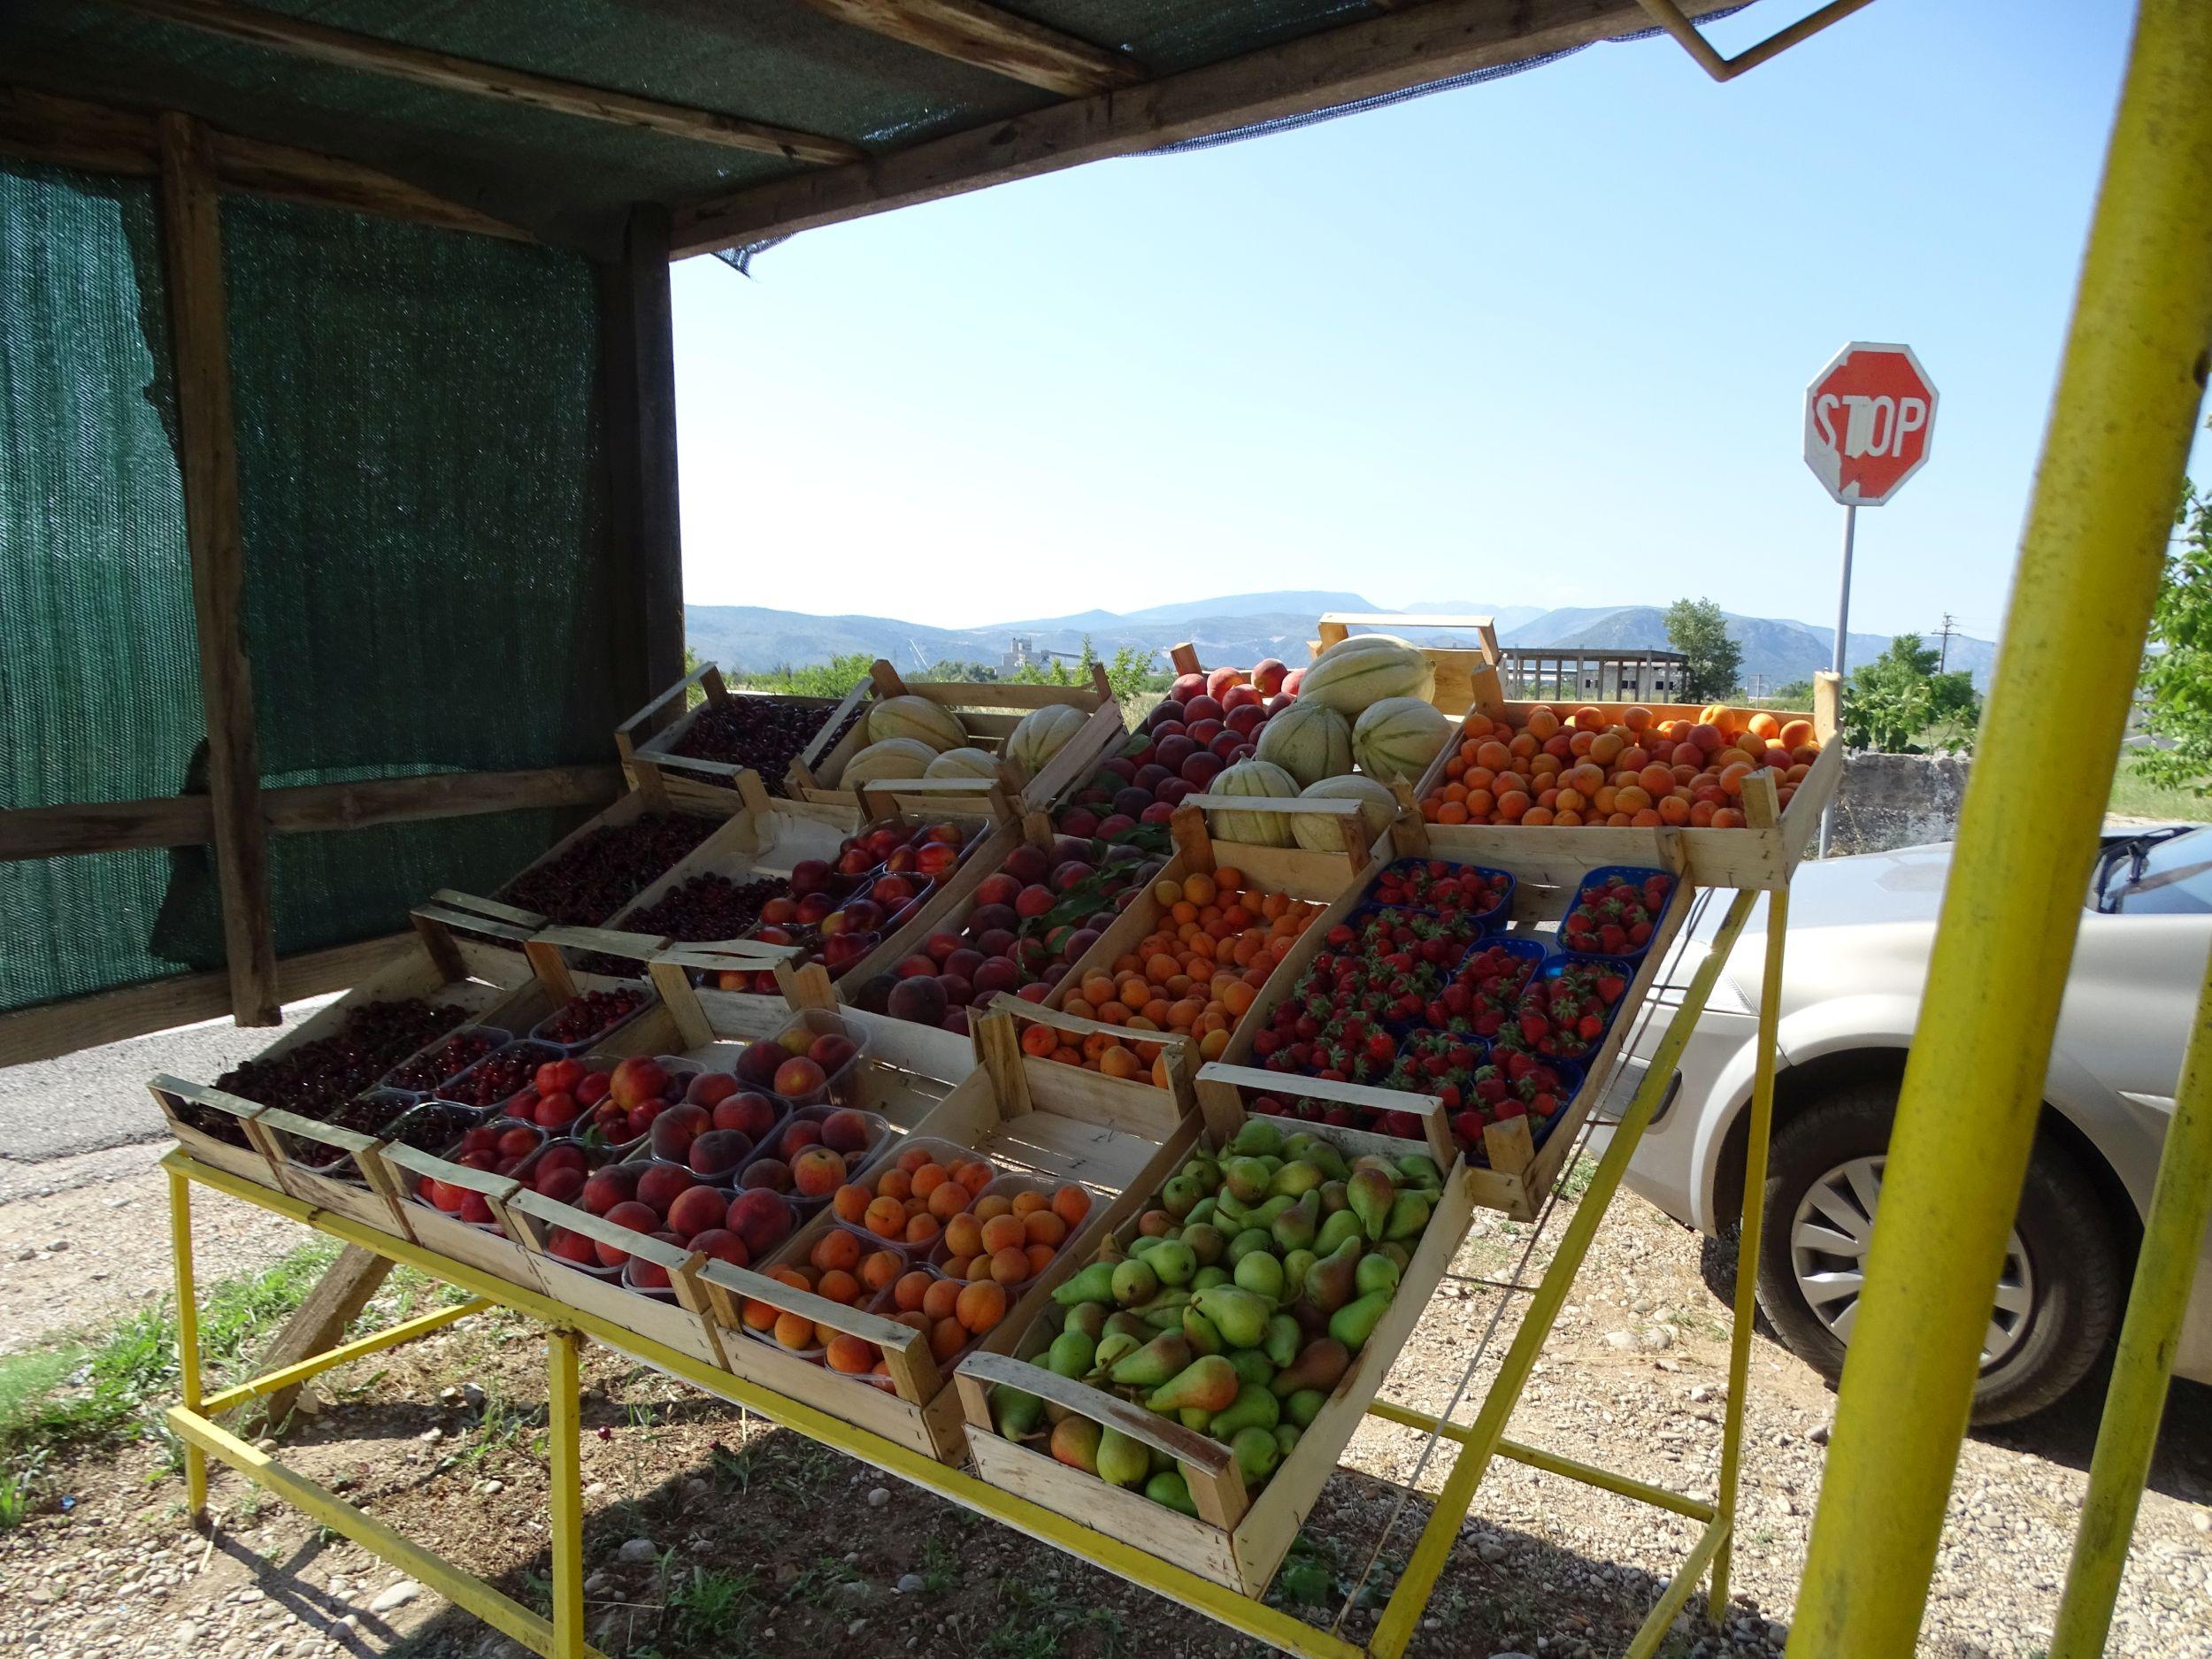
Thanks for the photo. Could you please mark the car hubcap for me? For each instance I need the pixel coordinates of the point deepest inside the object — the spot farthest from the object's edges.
(1828, 1237)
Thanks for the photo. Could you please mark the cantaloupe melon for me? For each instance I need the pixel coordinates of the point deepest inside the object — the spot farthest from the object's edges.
(919, 718)
(894, 758)
(964, 763)
(1361, 671)
(1320, 834)
(1042, 734)
(1310, 741)
(1258, 778)
(1397, 738)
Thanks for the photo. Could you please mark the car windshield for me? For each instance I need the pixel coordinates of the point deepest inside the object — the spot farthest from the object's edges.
(2166, 870)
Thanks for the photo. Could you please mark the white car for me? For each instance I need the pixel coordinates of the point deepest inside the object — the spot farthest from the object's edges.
(1860, 930)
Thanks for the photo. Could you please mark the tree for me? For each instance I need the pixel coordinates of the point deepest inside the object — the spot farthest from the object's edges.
(1696, 629)
(1900, 704)
(832, 679)
(2177, 682)
(1797, 694)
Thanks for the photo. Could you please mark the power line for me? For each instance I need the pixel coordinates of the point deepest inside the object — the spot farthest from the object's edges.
(1943, 633)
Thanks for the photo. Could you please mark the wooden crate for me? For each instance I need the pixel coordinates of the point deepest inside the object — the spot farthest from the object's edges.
(661, 774)
(990, 713)
(1236, 1540)
(1518, 1174)
(441, 966)
(1760, 856)
(1458, 668)
(501, 1254)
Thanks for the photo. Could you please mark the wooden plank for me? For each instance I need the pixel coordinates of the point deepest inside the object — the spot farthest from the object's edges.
(192, 254)
(317, 1325)
(374, 55)
(987, 38)
(647, 357)
(1374, 56)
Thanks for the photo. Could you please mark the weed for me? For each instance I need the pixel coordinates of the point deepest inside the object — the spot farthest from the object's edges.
(1579, 1174)
(499, 1428)
(18, 1484)
(818, 1584)
(707, 1606)
(1042, 1626)
(940, 1566)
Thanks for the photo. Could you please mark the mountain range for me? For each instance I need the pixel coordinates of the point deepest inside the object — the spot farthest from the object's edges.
(1241, 628)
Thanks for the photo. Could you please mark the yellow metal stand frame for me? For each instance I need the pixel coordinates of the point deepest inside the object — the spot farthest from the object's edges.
(562, 1635)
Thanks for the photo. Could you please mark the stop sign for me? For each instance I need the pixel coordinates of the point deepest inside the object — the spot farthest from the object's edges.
(1868, 417)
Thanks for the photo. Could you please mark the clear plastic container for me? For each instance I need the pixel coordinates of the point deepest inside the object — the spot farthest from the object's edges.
(1004, 1186)
(807, 1026)
(585, 1045)
(536, 1053)
(499, 1039)
(880, 1139)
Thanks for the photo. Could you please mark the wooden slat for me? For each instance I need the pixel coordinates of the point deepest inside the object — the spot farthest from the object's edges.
(987, 38)
(1379, 55)
(451, 73)
(72, 133)
(189, 820)
(639, 335)
(85, 1022)
(192, 253)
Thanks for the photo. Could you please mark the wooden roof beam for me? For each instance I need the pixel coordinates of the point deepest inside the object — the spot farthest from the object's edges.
(1391, 53)
(984, 37)
(444, 70)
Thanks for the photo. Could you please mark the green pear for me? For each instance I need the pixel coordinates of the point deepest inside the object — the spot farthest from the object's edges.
(1418, 1168)
(1312, 1148)
(1142, 1248)
(1155, 1362)
(1180, 1196)
(1372, 1194)
(1089, 1317)
(1204, 1172)
(1227, 1213)
(1239, 1315)
(1375, 1161)
(1207, 1277)
(1134, 1282)
(1166, 1314)
(1334, 1230)
(1204, 1241)
(1200, 1212)
(1257, 1453)
(1194, 1418)
(1270, 1212)
(1127, 1323)
(1331, 1282)
(1123, 1462)
(1302, 1407)
(1199, 1332)
(1247, 1179)
(1399, 1254)
(1354, 1322)
(1170, 1490)
(1111, 1250)
(1258, 1137)
(1296, 1227)
(1172, 1262)
(1017, 1415)
(1247, 1241)
(1095, 1283)
(1075, 1443)
(1296, 1265)
(1261, 1274)
(1320, 1365)
(1408, 1214)
(1253, 1408)
(1297, 1178)
(1113, 1347)
(1070, 1355)
(1287, 1437)
(1377, 1272)
(1283, 1338)
(1208, 1383)
(1252, 1365)
(1334, 1196)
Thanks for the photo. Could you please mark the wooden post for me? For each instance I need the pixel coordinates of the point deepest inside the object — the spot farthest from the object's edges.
(318, 1326)
(638, 342)
(192, 255)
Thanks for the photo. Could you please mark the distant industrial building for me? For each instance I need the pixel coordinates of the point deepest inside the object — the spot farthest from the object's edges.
(1537, 671)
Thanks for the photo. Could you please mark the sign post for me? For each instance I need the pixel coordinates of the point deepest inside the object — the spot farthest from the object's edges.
(1869, 415)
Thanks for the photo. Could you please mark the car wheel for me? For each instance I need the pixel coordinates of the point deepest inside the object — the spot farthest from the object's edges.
(2058, 1298)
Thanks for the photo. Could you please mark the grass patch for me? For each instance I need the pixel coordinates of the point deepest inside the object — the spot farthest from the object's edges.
(1043, 1626)
(2136, 797)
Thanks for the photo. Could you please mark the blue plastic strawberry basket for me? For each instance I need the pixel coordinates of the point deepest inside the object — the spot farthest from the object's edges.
(1594, 877)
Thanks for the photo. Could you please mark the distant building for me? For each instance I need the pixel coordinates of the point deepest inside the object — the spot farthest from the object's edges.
(1537, 671)
(1021, 652)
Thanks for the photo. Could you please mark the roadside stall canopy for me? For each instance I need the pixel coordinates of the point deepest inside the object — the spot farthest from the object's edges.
(338, 526)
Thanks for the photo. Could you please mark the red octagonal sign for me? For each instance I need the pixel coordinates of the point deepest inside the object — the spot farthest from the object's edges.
(1868, 417)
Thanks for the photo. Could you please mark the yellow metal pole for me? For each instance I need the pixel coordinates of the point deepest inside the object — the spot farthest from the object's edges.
(1402, 1613)
(1755, 1212)
(565, 1457)
(2173, 1232)
(392, 1336)
(188, 1337)
(2089, 565)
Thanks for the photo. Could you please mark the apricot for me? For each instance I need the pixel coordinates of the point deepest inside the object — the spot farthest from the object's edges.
(1001, 1233)
(973, 1174)
(894, 1183)
(850, 1202)
(1042, 1226)
(913, 1160)
(981, 1305)
(850, 1355)
(836, 1249)
(1071, 1203)
(941, 1298)
(907, 1295)
(921, 1229)
(964, 1235)
(1040, 1257)
(948, 1198)
(1011, 1266)
(838, 1285)
(794, 1330)
(886, 1218)
(947, 1337)
(880, 1268)
(991, 1206)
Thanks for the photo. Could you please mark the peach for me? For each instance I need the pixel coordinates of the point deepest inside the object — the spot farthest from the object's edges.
(772, 1174)
(802, 1132)
(661, 1184)
(696, 1209)
(638, 1218)
(718, 1151)
(637, 1080)
(722, 1245)
(798, 1077)
(761, 1218)
(572, 1246)
(650, 1275)
(748, 1113)
(675, 1129)
(562, 1184)
(609, 1186)
(817, 1172)
(848, 1132)
(710, 1089)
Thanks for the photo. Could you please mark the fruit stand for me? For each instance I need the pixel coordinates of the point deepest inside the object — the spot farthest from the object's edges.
(1057, 1228)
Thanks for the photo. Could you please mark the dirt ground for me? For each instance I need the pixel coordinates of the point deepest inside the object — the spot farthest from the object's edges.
(712, 1534)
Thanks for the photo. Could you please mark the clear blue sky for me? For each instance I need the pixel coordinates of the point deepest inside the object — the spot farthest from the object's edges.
(1539, 342)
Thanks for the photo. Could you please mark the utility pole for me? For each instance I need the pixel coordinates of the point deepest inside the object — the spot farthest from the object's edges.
(1943, 662)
